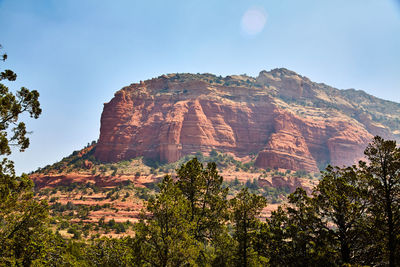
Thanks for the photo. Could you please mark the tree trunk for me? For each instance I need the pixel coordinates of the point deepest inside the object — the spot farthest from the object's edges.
(391, 240)
(345, 251)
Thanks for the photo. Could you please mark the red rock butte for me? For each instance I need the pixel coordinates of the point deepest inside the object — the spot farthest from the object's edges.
(284, 119)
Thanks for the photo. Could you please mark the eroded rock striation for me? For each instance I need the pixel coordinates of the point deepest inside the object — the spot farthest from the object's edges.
(283, 118)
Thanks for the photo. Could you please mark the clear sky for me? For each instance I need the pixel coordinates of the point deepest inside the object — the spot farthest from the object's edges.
(77, 53)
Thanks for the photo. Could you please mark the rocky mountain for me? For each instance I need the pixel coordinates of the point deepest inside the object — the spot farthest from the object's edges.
(265, 133)
(281, 118)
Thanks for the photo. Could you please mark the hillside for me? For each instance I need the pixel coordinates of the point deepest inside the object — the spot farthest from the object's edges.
(104, 199)
(271, 134)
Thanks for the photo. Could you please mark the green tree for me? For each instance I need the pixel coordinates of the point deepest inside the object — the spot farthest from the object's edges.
(191, 182)
(110, 252)
(271, 240)
(246, 209)
(340, 198)
(83, 212)
(202, 188)
(22, 218)
(187, 215)
(12, 105)
(383, 172)
(297, 236)
(164, 237)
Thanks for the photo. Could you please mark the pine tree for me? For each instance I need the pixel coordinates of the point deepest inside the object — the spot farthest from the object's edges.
(246, 209)
(202, 188)
(340, 198)
(164, 233)
(383, 173)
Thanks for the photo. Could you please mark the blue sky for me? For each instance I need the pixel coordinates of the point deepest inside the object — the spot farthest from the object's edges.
(77, 53)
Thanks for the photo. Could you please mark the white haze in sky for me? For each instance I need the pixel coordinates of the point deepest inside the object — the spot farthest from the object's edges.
(253, 21)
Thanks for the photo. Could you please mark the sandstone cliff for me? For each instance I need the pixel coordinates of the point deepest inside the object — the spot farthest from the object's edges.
(285, 119)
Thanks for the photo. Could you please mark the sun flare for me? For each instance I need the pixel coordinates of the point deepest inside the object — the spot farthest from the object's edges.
(253, 21)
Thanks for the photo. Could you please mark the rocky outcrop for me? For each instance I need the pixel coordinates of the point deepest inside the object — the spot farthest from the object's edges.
(285, 119)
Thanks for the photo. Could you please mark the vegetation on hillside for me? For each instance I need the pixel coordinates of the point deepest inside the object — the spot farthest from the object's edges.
(84, 161)
(351, 218)
(140, 167)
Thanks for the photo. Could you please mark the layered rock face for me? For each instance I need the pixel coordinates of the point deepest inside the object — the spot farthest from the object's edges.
(269, 116)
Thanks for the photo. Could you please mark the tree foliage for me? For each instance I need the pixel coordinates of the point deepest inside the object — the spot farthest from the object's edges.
(202, 188)
(22, 218)
(12, 105)
(246, 209)
(164, 238)
(383, 174)
(341, 201)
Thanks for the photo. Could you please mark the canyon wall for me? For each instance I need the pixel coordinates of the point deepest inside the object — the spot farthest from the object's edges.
(172, 116)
